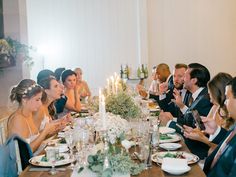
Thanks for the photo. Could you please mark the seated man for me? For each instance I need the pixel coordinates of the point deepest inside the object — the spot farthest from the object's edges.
(163, 75)
(195, 81)
(166, 96)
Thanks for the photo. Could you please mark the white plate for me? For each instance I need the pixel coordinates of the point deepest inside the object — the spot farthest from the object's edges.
(37, 161)
(177, 171)
(191, 158)
(170, 146)
(173, 138)
(166, 130)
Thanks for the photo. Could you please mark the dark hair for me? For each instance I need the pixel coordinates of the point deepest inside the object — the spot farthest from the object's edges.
(232, 83)
(27, 88)
(46, 84)
(201, 73)
(217, 87)
(58, 72)
(67, 73)
(180, 65)
(44, 74)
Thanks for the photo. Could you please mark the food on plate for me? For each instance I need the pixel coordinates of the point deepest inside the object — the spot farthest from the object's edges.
(177, 155)
(165, 137)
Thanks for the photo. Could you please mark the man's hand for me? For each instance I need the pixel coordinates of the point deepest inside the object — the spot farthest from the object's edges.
(165, 117)
(178, 99)
(163, 87)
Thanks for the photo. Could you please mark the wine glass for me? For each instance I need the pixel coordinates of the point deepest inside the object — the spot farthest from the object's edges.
(70, 144)
(52, 155)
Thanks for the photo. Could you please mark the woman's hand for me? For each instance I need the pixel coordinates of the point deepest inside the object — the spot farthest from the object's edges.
(195, 134)
(210, 124)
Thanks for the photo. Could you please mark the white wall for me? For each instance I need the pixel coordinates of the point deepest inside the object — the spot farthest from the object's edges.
(15, 27)
(97, 36)
(188, 31)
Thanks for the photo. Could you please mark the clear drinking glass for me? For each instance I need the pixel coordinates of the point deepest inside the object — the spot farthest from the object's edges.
(52, 155)
(70, 143)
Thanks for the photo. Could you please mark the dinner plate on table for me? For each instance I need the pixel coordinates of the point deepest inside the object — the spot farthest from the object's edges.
(166, 130)
(191, 158)
(41, 161)
(169, 138)
(170, 146)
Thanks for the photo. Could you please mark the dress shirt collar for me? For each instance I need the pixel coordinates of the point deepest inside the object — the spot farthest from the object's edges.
(197, 92)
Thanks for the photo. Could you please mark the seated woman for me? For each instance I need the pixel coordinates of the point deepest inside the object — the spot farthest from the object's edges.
(218, 115)
(47, 112)
(60, 103)
(82, 85)
(28, 94)
(68, 78)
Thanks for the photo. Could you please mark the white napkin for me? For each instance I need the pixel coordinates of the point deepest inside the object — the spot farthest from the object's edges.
(127, 144)
(174, 164)
(88, 173)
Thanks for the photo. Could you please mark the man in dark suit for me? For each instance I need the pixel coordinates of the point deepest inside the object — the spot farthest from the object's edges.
(163, 75)
(222, 161)
(195, 81)
(166, 96)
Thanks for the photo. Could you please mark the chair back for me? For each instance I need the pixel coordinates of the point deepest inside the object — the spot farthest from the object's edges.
(15, 154)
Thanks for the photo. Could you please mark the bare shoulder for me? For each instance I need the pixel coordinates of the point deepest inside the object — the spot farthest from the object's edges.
(17, 125)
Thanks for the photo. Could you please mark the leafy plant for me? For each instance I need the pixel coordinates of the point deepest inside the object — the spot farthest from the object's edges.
(120, 163)
(10, 49)
(122, 104)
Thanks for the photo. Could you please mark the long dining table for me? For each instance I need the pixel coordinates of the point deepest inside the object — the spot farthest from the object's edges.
(154, 171)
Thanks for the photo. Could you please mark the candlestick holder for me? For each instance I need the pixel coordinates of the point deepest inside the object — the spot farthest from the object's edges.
(106, 149)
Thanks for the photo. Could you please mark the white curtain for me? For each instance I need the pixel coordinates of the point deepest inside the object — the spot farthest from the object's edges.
(96, 35)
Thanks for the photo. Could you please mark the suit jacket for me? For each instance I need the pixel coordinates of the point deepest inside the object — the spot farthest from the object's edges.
(226, 164)
(203, 105)
(167, 106)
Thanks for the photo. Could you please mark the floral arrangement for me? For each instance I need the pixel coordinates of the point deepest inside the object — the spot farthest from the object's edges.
(10, 48)
(116, 126)
(119, 163)
(122, 104)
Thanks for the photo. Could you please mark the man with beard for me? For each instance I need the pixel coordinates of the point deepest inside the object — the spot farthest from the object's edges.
(195, 81)
(166, 96)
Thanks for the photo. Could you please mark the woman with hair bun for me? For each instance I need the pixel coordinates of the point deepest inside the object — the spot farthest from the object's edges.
(28, 95)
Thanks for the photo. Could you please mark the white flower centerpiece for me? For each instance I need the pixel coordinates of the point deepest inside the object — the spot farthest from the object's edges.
(115, 125)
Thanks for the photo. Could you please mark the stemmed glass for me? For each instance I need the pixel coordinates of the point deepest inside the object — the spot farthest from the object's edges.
(70, 144)
(52, 155)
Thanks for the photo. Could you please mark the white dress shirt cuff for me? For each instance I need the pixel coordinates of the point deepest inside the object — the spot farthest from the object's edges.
(184, 109)
(162, 97)
(168, 123)
(212, 137)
